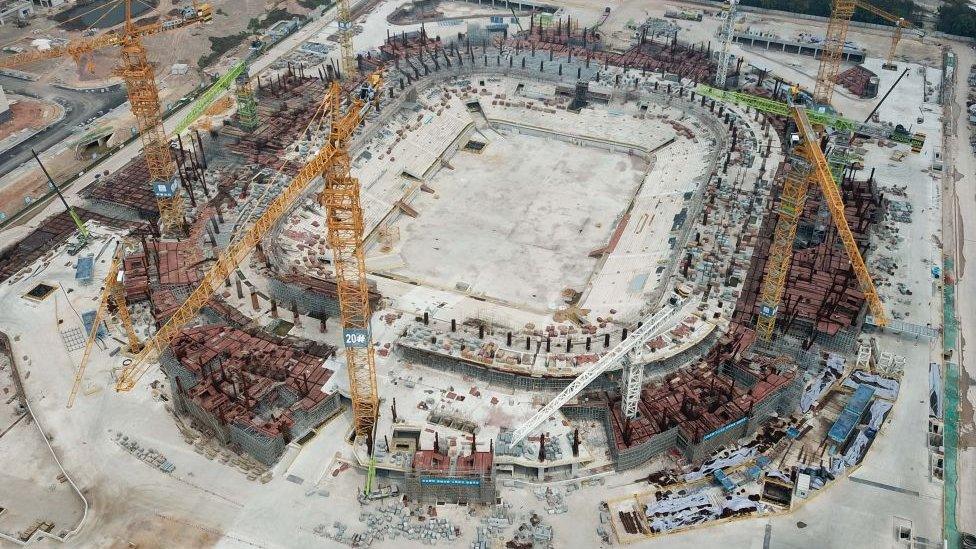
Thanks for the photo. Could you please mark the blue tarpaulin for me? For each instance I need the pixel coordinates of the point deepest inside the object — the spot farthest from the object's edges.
(88, 318)
(724, 481)
(84, 268)
(851, 414)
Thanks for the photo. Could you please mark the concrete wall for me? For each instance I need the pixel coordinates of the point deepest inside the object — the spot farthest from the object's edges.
(309, 303)
(485, 492)
(266, 449)
(612, 146)
(609, 380)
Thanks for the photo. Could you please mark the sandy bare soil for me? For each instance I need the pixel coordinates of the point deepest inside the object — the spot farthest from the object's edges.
(28, 113)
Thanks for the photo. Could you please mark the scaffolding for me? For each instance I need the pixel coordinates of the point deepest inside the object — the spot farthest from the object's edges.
(247, 112)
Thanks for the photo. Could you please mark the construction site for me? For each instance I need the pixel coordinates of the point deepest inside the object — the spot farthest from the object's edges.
(499, 274)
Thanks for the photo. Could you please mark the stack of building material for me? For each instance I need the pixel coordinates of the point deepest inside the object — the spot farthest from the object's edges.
(822, 291)
(859, 81)
(136, 280)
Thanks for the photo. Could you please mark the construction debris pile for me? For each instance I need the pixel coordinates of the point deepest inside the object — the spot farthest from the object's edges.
(391, 522)
(859, 81)
(148, 455)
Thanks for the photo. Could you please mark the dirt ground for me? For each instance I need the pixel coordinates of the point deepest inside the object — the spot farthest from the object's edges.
(184, 45)
(28, 113)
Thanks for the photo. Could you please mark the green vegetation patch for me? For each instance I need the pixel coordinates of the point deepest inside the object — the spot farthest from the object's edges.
(222, 44)
(219, 45)
(901, 8)
(956, 17)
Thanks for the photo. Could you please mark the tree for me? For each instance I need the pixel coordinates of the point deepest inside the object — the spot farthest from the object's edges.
(956, 17)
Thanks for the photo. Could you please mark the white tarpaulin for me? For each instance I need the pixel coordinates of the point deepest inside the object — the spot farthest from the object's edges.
(725, 459)
(823, 382)
(883, 387)
(695, 508)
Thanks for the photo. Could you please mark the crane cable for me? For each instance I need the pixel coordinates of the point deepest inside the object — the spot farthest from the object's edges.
(319, 117)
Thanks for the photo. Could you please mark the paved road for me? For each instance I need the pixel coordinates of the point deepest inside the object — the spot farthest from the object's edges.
(121, 157)
(81, 106)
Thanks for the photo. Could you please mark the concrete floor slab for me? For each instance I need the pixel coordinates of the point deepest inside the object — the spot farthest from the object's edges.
(517, 225)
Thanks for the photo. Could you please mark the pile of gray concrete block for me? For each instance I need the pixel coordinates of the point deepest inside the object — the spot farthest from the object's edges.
(148, 455)
(553, 498)
(393, 521)
(493, 527)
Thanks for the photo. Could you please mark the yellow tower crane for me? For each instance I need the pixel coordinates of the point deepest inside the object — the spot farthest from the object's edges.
(833, 50)
(344, 217)
(113, 289)
(834, 40)
(239, 250)
(900, 25)
(140, 83)
(347, 61)
(810, 167)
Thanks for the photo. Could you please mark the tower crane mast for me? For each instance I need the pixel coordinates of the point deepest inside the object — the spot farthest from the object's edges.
(347, 60)
(239, 250)
(809, 167)
(344, 216)
(724, 56)
(833, 50)
(836, 37)
(900, 25)
(140, 82)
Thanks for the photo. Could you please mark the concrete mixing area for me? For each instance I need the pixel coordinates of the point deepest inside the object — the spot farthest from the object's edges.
(567, 238)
